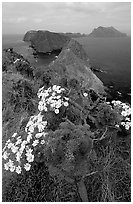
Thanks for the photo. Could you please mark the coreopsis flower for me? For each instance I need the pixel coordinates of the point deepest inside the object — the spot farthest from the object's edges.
(27, 166)
(52, 99)
(125, 111)
(85, 94)
(18, 152)
(18, 170)
(56, 111)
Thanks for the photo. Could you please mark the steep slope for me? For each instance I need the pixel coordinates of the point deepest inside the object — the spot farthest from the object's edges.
(106, 32)
(73, 63)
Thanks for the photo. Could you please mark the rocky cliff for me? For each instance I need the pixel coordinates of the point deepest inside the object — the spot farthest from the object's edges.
(106, 32)
(73, 63)
(45, 41)
(29, 35)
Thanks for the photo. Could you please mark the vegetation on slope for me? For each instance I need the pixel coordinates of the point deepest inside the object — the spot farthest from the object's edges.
(80, 142)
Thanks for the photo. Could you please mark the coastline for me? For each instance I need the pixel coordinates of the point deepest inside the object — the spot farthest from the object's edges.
(116, 90)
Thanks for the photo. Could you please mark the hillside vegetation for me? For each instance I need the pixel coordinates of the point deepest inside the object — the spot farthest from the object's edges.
(63, 140)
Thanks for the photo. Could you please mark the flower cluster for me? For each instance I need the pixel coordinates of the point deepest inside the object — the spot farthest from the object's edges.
(19, 151)
(52, 99)
(125, 111)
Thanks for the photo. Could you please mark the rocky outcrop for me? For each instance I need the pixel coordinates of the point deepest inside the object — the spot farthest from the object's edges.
(29, 35)
(45, 41)
(77, 49)
(106, 32)
(73, 63)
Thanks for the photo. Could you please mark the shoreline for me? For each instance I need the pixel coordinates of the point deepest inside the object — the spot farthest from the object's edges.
(114, 91)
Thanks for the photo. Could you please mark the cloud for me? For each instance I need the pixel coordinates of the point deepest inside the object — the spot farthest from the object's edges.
(37, 20)
(69, 16)
(15, 20)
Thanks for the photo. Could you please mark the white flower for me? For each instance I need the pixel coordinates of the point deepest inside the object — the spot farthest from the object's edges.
(29, 137)
(10, 145)
(113, 101)
(42, 142)
(53, 94)
(5, 155)
(54, 88)
(40, 103)
(12, 168)
(19, 140)
(18, 156)
(14, 149)
(58, 97)
(58, 91)
(56, 111)
(29, 123)
(30, 157)
(124, 113)
(66, 98)
(40, 127)
(40, 108)
(18, 169)
(117, 125)
(10, 163)
(58, 106)
(66, 104)
(29, 150)
(27, 166)
(45, 108)
(35, 143)
(23, 146)
(38, 135)
(127, 127)
(6, 166)
(128, 119)
(118, 102)
(31, 129)
(14, 135)
(85, 94)
(128, 112)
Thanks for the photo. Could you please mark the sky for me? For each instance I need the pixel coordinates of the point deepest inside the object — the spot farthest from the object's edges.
(19, 17)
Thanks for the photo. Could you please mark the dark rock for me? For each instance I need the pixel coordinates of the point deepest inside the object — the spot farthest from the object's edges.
(106, 32)
(46, 42)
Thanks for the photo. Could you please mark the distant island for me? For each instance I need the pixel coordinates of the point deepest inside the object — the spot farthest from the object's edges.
(46, 41)
(106, 32)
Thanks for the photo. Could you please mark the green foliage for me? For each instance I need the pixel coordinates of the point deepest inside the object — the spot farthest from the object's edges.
(68, 147)
(83, 145)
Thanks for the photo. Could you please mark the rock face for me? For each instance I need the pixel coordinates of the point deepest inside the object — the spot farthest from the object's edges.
(29, 35)
(73, 63)
(45, 41)
(106, 32)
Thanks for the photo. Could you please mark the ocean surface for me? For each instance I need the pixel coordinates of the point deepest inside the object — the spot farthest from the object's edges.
(112, 55)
